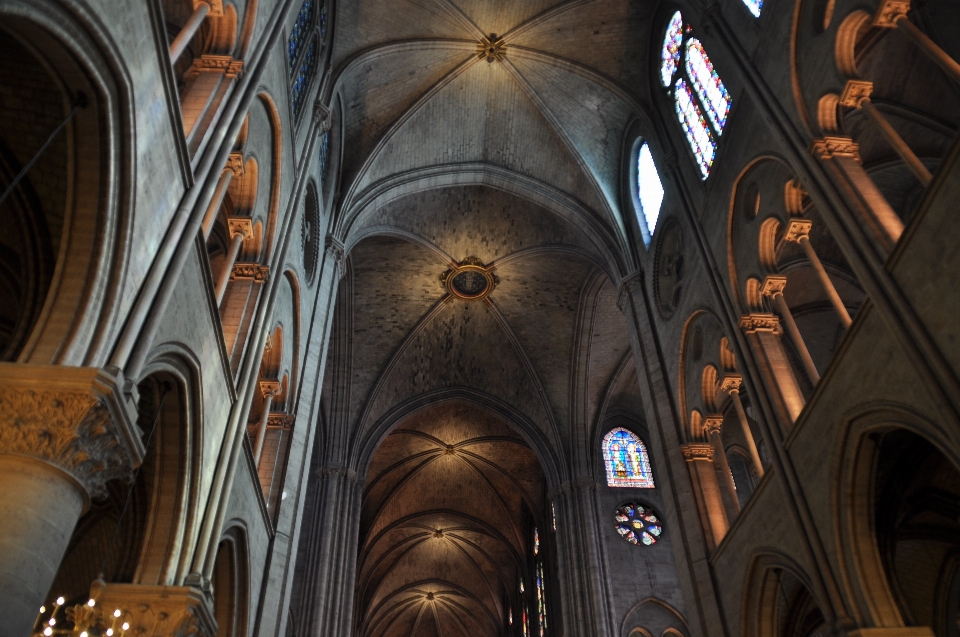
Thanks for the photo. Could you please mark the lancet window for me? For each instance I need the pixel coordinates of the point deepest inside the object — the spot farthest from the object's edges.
(626, 460)
(304, 46)
(701, 100)
(649, 189)
(541, 602)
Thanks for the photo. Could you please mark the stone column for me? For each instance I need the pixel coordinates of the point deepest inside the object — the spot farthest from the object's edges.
(189, 30)
(331, 556)
(893, 14)
(798, 231)
(731, 384)
(763, 333)
(585, 604)
(64, 433)
(233, 169)
(706, 490)
(773, 287)
(269, 389)
(712, 424)
(241, 229)
(842, 159)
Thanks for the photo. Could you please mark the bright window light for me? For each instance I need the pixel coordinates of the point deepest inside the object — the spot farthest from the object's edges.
(649, 188)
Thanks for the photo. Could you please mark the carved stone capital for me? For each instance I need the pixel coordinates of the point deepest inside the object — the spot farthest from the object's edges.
(697, 451)
(235, 164)
(712, 424)
(339, 471)
(216, 7)
(73, 418)
(855, 92)
(234, 69)
(269, 387)
(760, 322)
(491, 48)
(831, 147)
(731, 383)
(333, 248)
(211, 64)
(240, 225)
(890, 12)
(773, 285)
(253, 271)
(798, 229)
(153, 611)
(280, 420)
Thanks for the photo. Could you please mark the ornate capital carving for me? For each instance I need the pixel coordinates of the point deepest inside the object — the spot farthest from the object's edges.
(216, 7)
(235, 164)
(240, 225)
(152, 611)
(333, 248)
(760, 322)
(830, 147)
(712, 423)
(731, 383)
(269, 387)
(697, 451)
(890, 12)
(253, 271)
(73, 418)
(491, 48)
(212, 64)
(280, 420)
(234, 69)
(855, 92)
(797, 229)
(773, 285)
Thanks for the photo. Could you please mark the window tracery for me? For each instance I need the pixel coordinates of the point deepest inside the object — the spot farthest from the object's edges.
(701, 100)
(626, 460)
(304, 46)
(541, 602)
(638, 524)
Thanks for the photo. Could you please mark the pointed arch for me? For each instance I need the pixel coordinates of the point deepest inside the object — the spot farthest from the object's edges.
(626, 460)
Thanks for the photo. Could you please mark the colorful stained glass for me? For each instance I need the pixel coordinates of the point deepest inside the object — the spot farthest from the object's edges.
(536, 542)
(670, 54)
(754, 6)
(637, 524)
(523, 621)
(307, 69)
(541, 602)
(698, 134)
(510, 617)
(324, 155)
(649, 188)
(553, 516)
(626, 460)
(713, 94)
(299, 33)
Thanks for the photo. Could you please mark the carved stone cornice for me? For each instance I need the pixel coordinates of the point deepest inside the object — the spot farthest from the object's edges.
(760, 322)
(73, 418)
(831, 147)
(216, 64)
(253, 271)
(240, 225)
(797, 229)
(731, 383)
(890, 12)
(280, 420)
(235, 164)
(269, 387)
(855, 92)
(773, 285)
(153, 611)
(491, 48)
(697, 451)
(712, 423)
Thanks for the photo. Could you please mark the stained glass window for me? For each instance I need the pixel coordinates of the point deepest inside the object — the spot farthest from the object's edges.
(695, 127)
(523, 620)
(300, 33)
(713, 94)
(553, 516)
(754, 6)
(637, 524)
(626, 460)
(649, 188)
(536, 542)
(307, 68)
(670, 55)
(324, 154)
(541, 602)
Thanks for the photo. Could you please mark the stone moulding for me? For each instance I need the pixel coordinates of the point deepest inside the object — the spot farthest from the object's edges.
(155, 611)
(73, 418)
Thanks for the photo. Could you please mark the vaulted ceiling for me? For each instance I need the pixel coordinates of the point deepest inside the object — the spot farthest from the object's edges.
(451, 501)
(517, 161)
(546, 117)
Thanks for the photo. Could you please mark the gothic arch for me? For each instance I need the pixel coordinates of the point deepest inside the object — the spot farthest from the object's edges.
(231, 582)
(74, 310)
(769, 573)
(856, 471)
(653, 616)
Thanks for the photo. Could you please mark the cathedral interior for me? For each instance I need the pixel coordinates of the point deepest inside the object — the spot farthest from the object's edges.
(479, 318)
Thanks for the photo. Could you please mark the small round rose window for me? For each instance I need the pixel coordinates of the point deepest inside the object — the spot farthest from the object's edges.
(637, 524)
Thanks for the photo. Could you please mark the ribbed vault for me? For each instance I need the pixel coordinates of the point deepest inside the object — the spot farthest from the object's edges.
(452, 497)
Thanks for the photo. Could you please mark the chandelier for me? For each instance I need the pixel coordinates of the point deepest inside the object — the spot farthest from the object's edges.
(83, 620)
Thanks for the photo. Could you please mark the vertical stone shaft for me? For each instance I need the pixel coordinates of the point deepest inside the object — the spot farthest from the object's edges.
(825, 281)
(712, 425)
(179, 44)
(773, 287)
(900, 146)
(747, 432)
(262, 427)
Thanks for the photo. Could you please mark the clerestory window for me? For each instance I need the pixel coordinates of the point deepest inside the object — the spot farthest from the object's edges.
(304, 47)
(626, 460)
